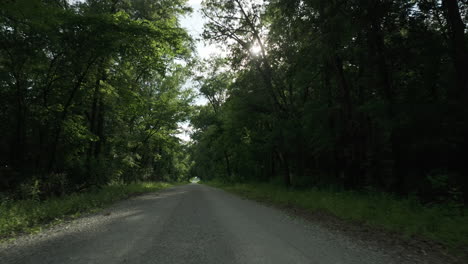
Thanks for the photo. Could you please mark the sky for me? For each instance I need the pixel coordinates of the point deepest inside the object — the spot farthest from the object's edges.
(194, 25)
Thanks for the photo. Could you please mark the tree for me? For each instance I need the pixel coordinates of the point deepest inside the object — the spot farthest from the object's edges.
(91, 90)
(354, 94)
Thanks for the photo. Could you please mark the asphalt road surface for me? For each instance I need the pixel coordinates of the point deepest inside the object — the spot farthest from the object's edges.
(190, 224)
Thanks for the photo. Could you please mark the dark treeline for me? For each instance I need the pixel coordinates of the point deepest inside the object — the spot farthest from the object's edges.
(355, 94)
(90, 93)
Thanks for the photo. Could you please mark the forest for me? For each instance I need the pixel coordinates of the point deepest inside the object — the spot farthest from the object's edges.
(352, 95)
(91, 93)
(367, 95)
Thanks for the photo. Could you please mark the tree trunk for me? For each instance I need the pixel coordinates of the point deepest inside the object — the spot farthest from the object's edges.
(228, 165)
(60, 121)
(285, 165)
(458, 45)
(92, 127)
(18, 147)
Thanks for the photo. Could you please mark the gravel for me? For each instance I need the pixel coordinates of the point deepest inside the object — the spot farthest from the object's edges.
(192, 224)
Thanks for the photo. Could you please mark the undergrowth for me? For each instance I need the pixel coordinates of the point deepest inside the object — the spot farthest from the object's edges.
(19, 216)
(439, 223)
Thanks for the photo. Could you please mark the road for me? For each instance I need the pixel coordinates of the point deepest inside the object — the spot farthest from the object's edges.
(190, 224)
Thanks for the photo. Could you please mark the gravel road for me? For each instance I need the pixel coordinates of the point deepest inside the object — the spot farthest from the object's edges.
(190, 224)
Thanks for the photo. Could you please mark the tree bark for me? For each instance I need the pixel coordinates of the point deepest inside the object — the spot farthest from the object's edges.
(458, 45)
(286, 172)
(228, 165)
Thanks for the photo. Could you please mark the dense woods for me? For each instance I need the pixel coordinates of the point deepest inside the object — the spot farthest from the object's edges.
(354, 112)
(357, 95)
(90, 93)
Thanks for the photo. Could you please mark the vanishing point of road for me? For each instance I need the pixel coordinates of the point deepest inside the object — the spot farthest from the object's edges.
(189, 224)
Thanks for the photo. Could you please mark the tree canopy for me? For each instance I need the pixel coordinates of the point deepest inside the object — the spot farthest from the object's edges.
(351, 94)
(359, 95)
(92, 92)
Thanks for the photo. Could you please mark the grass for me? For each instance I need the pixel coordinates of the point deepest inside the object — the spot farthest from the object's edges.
(31, 216)
(408, 217)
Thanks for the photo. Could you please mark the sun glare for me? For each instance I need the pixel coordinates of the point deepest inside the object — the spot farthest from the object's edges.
(255, 50)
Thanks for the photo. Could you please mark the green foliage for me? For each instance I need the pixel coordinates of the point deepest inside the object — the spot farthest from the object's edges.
(337, 95)
(30, 190)
(92, 92)
(29, 215)
(367, 98)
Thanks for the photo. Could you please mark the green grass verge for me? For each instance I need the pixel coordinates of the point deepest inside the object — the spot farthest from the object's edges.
(405, 216)
(31, 215)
